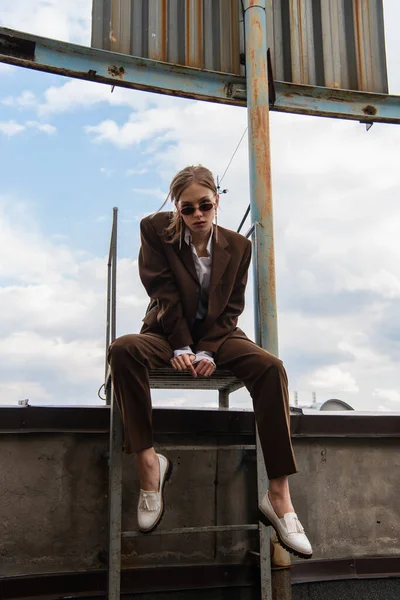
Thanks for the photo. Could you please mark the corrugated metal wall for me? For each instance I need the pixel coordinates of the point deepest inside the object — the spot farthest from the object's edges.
(330, 43)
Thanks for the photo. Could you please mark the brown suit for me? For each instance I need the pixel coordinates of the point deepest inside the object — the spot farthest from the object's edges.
(168, 274)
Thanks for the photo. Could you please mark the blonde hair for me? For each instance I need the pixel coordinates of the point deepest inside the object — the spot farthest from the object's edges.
(182, 180)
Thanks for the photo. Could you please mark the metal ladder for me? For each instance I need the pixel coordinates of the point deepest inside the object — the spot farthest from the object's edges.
(165, 378)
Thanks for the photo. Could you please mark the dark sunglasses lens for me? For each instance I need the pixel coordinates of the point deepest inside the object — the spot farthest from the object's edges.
(206, 206)
(187, 210)
(203, 207)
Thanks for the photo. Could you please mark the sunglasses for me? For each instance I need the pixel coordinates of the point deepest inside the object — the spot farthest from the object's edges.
(203, 207)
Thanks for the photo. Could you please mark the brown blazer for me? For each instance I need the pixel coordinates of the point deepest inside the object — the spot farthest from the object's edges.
(169, 276)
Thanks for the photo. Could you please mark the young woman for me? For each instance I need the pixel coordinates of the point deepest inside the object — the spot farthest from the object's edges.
(195, 273)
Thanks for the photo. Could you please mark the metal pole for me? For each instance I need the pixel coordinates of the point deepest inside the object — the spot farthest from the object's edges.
(261, 216)
(260, 171)
(114, 274)
(108, 308)
(111, 315)
(114, 501)
(223, 398)
(116, 439)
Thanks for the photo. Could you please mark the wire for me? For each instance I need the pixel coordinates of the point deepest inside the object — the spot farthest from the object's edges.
(233, 155)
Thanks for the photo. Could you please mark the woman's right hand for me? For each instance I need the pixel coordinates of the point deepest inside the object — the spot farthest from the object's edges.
(184, 362)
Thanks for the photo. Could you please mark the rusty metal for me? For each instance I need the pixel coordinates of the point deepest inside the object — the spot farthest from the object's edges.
(198, 33)
(334, 43)
(261, 217)
(144, 581)
(333, 103)
(69, 60)
(111, 314)
(167, 378)
(302, 41)
(116, 430)
(192, 530)
(140, 580)
(226, 424)
(114, 499)
(369, 37)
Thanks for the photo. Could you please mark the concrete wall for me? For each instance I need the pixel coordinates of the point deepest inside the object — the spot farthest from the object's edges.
(53, 502)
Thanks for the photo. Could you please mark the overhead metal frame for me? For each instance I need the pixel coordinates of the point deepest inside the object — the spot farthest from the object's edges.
(330, 43)
(80, 62)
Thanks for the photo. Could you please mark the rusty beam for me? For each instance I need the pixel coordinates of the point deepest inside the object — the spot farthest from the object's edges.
(80, 62)
(120, 70)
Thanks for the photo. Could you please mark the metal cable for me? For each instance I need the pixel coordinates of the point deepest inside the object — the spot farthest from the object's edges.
(233, 155)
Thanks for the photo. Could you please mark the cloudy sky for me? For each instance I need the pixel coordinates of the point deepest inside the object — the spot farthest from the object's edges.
(70, 151)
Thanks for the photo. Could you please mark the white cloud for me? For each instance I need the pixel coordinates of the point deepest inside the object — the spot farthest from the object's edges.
(12, 391)
(44, 127)
(69, 21)
(71, 359)
(181, 398)
(156, 192)
(53, 312)
(76, 94)
(82, 95)
(6, 69)
(11, 128)
(49, 260)
(333, 378)
(26, 99)
(393, 396)
(138, 171)
(142, 126)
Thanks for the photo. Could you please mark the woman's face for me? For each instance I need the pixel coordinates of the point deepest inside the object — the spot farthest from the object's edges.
(201, 202)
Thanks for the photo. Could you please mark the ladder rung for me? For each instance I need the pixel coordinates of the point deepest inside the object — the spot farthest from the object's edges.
(210, 529)
(207, 447)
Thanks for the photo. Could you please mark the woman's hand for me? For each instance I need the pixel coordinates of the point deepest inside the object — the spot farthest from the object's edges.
(205, 367)
(184, 362)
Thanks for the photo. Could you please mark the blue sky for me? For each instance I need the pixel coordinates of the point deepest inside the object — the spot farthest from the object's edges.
(71, 150)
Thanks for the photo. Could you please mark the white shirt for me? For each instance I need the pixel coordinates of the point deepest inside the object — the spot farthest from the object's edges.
(202, 264)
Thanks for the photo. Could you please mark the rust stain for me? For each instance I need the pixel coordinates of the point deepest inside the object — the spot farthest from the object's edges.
(302, 53)
(370, 110)
(164, 25)
(115, 71)
(199, 45)
(358, 40)
(194, 35)
(337, 99)
(252, 4)
(259, 119)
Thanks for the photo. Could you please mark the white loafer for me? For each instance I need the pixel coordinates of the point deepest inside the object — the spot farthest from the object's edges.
(288, 529)
(151, 504)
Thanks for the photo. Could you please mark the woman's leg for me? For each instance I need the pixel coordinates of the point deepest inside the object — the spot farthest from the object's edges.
(264, 376)
(130, 357)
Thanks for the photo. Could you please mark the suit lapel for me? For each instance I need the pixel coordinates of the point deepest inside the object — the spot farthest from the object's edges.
(185, 254)
(220, 260)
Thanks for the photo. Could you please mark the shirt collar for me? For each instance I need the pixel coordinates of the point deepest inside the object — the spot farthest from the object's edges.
(188, 239)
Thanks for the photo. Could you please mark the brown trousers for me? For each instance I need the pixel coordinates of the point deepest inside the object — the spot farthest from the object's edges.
(130, 357)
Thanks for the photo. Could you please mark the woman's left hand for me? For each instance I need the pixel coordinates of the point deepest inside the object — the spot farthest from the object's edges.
(204, 367)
